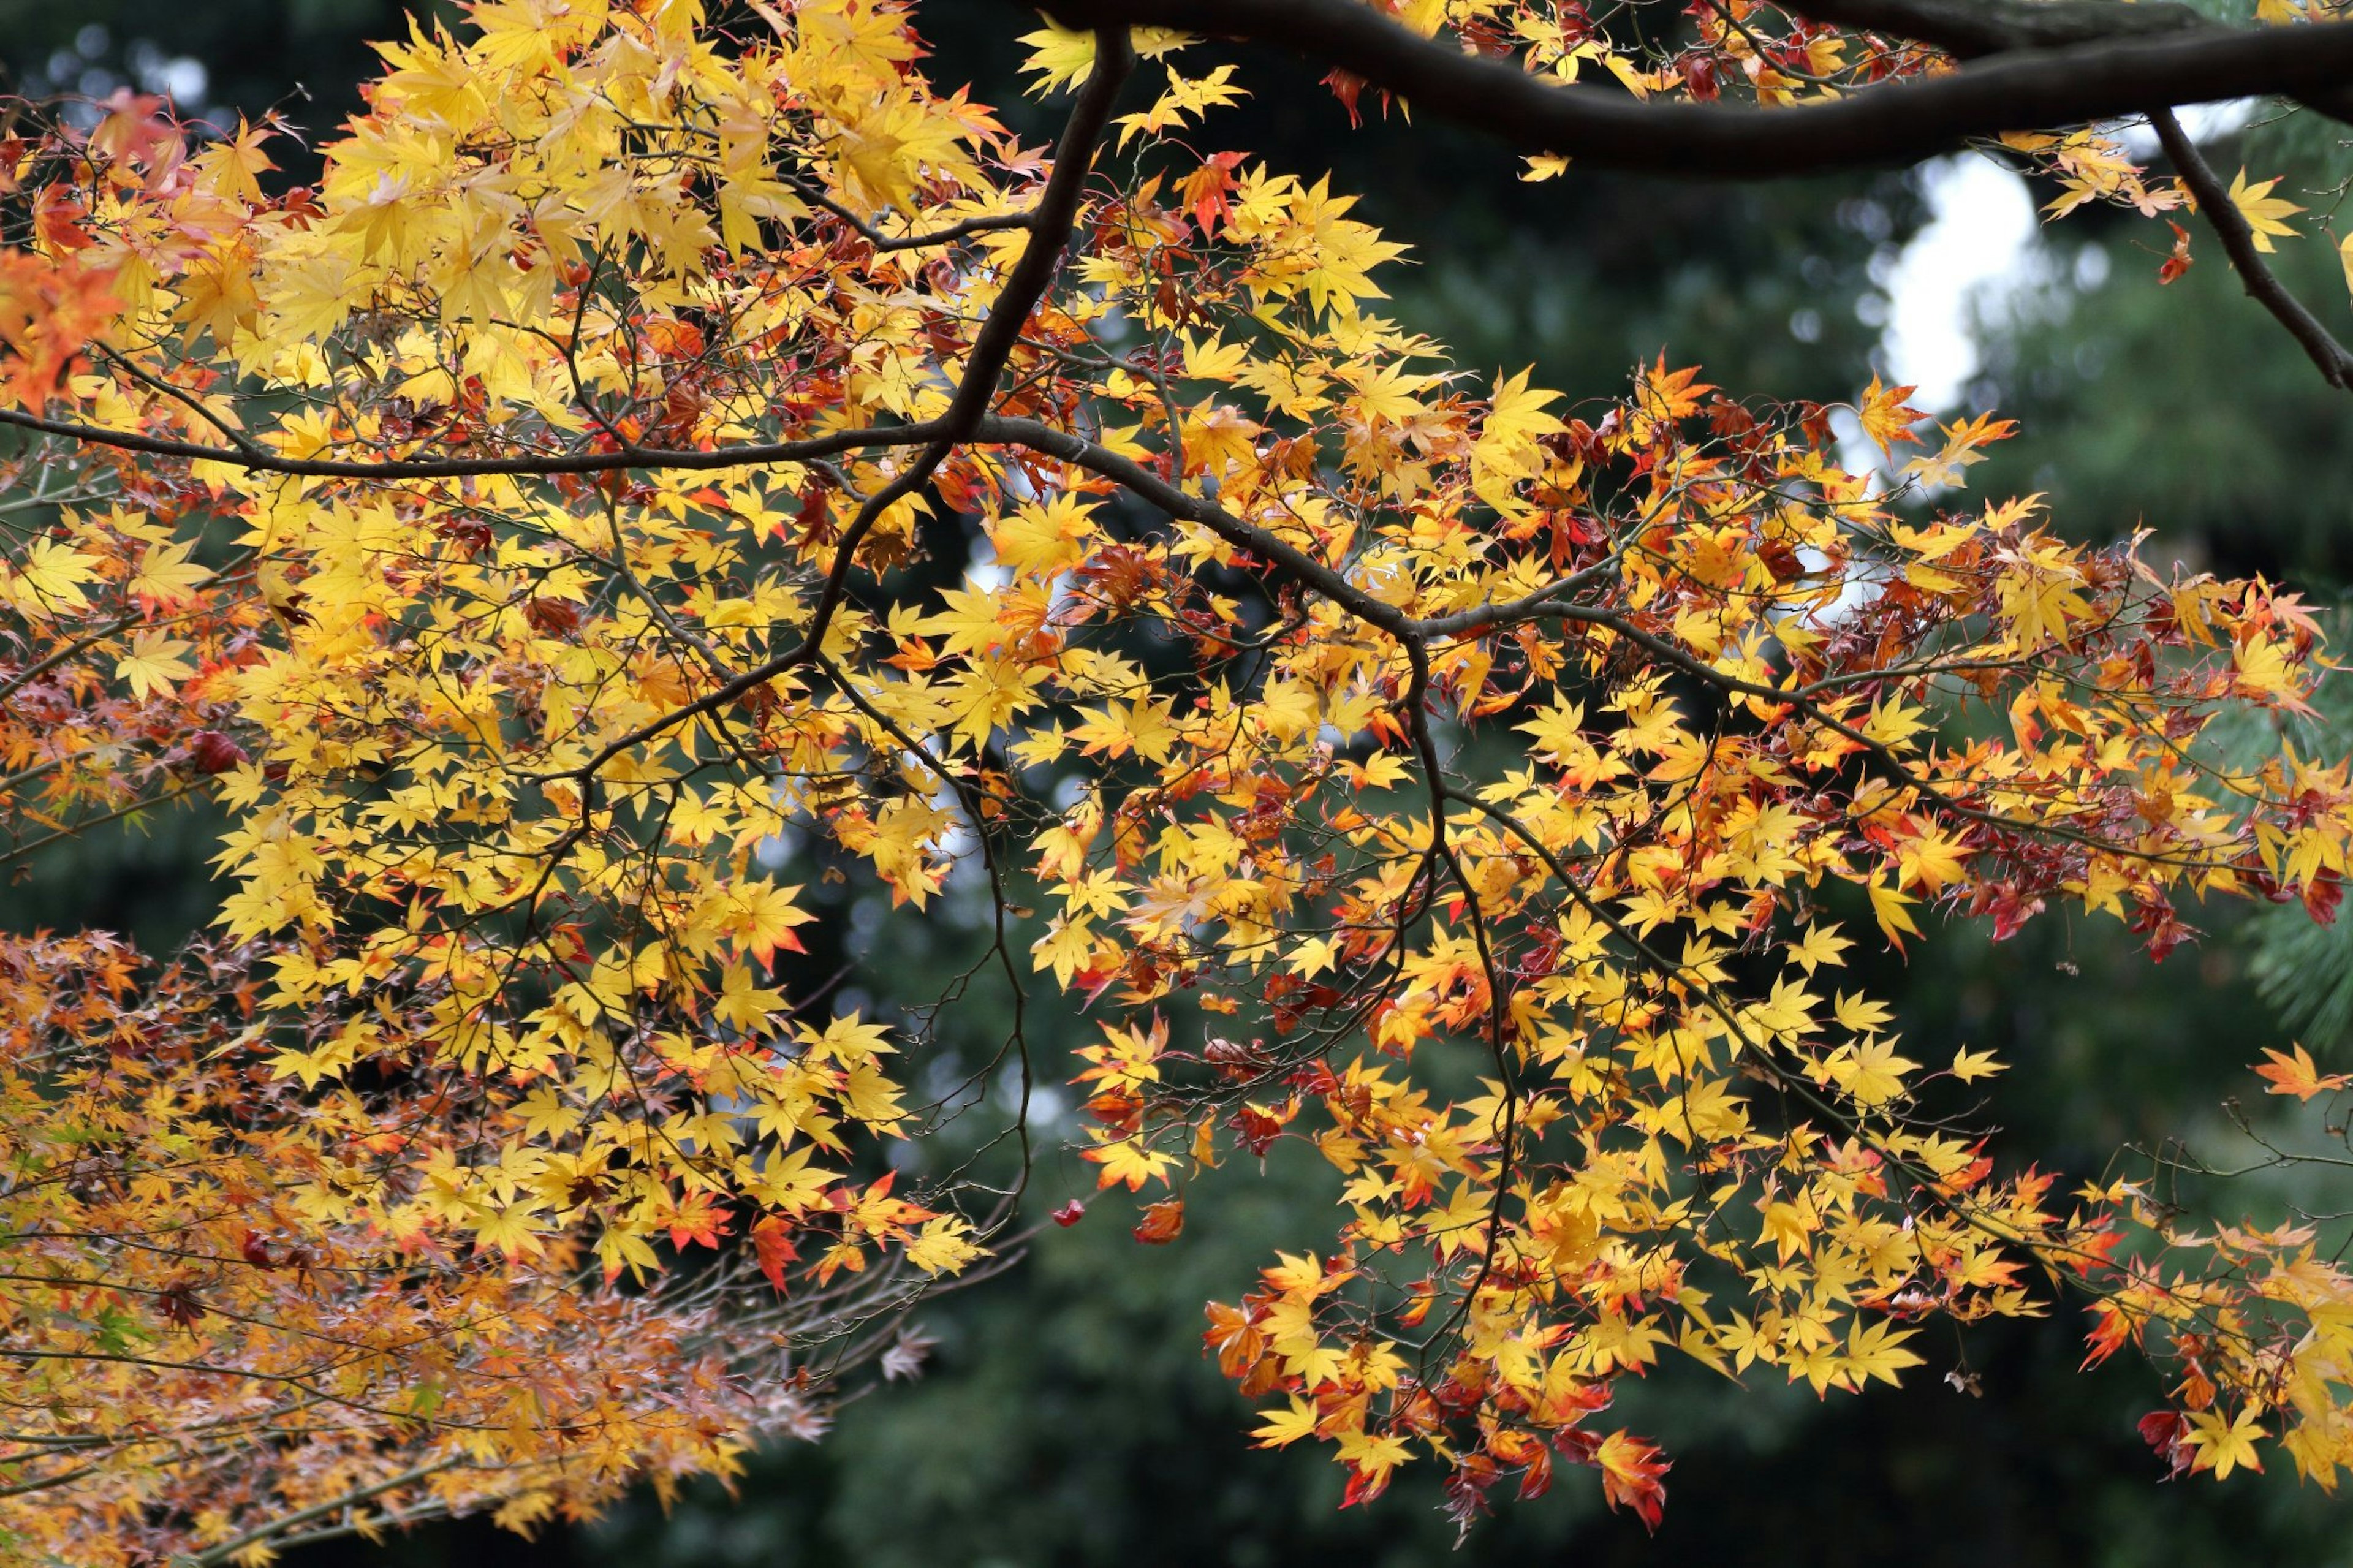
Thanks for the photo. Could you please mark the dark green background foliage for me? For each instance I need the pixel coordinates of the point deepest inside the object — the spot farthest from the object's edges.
(1068, 1416)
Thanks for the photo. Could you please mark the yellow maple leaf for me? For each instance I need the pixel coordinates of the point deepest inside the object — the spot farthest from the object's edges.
(510, 1230)
(2265, 214)
(1283, 1427)
(943, 1246)
(1870, 1072)
(1818, 944)
(1124, 1160)
(1877, 1352)
(1885, 418)
(1893, 920)
(1969, 1066)
(2223, 1445)
(168, 577)
(1185, 96)
(1860, 1013)
(154, 665)
(48, 581)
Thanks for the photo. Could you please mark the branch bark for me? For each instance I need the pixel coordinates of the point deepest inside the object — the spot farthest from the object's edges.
(1896, 123)
(543, 464)
(1970, 29)
(2231, 227)
(1973, 30)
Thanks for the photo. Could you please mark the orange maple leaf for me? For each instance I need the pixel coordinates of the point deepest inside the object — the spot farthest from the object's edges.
(1162, 1222)
(1886, 418)
(2297, 1074)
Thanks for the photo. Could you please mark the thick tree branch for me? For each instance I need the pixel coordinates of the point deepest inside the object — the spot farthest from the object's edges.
(1900, 122)
(1973, 30)
(2231, 227)
(1970, 29)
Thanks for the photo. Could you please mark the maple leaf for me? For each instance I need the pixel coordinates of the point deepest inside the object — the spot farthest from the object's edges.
(1206, 191)
(47, 580)
(1886, 418)
(1283, 1427)
(1876, 1351)
(1371, 1459)
(1894, 920)
(2291, 1071)
(2177, 261)
(166, 576)
(1671, 395)
(625, 1249)
(1065, 57)
(909, 1348)
(696, 1220)
(2223, 1444)
(155, 665)
(180, 1305)
(1122, 1161)
(511, 1230)
(772, 1240)
(2266, 215)
(1820, 943)
(1186, 97)
(1162, 1222)
(1630, 1469)
(943, 1246)
(1970, 1066)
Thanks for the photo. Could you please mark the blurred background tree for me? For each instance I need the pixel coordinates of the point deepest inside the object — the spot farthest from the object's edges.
(1066, 1416)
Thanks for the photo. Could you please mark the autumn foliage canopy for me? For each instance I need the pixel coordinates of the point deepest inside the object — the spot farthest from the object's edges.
(532, 532)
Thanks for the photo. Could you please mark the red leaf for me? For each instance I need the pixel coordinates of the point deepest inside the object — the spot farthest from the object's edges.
(214, 752)
(772, 1242)
(180, 1307)
(2322, 894)
(1347, 85)
(2178, 262)
(2163, 1431)
(552, 617)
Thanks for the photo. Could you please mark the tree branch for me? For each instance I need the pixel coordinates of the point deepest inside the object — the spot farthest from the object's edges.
(1899, 123)
(1972, 29)
(224, 1551)
(2231, 227)
(814, 194)
(992, 347)
(1147, 486)
(541, 465)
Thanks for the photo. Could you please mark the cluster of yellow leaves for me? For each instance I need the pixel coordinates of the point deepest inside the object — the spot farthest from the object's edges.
(555, 544)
